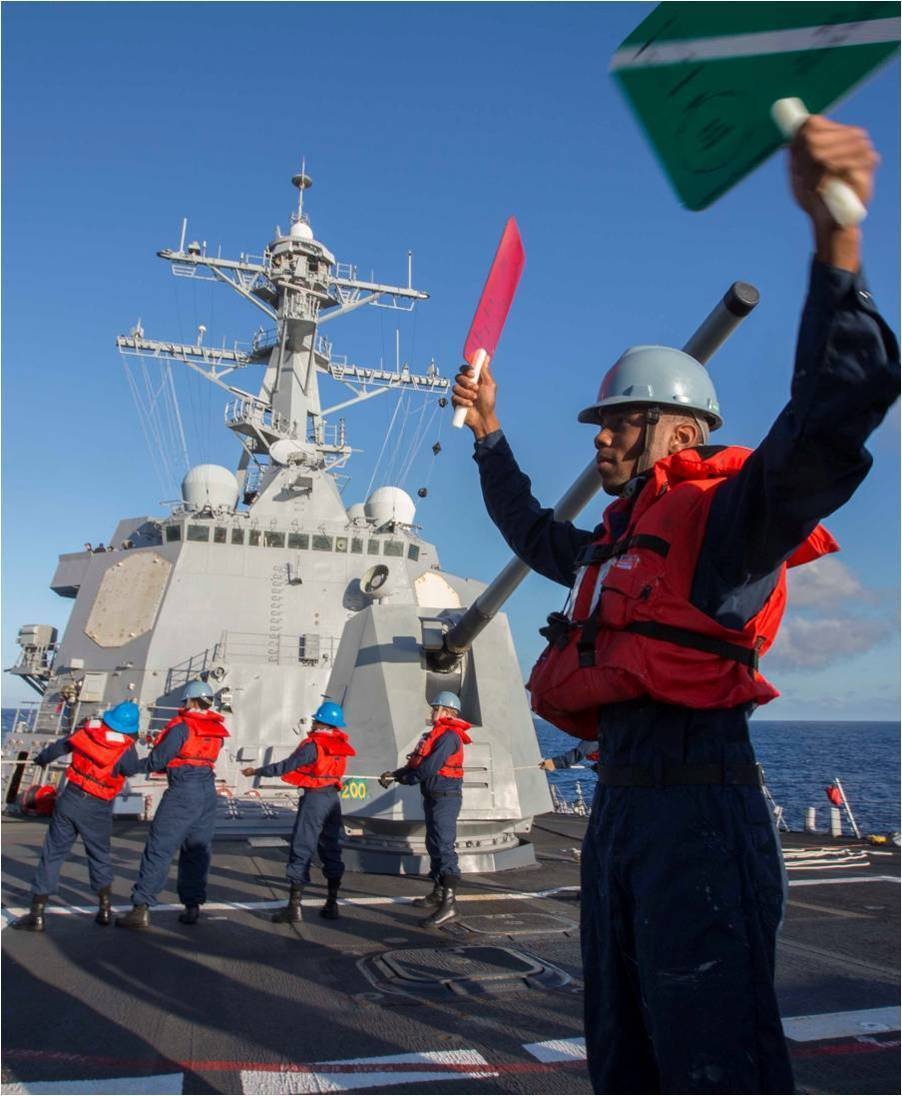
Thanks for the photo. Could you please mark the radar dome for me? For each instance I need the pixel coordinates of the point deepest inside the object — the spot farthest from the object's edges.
(284, 451)
(356, 512)
(390, 504)
(300, 230)
(210, 485)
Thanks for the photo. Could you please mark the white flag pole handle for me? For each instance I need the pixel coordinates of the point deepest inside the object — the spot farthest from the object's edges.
(843, 203)
(479, 360)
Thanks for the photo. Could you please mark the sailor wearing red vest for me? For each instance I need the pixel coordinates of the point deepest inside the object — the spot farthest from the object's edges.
(186, 751)
(103, 755)
(673, 598)
(436, 764)
(317, 766)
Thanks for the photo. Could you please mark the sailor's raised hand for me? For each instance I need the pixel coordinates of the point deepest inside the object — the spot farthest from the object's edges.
(821, 150)
(547, 764)
(479, 399)
(248, 772)
(386, 779)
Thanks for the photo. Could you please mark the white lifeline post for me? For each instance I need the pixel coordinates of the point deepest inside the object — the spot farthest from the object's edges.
(843, 203)
(845, 803)
(480, 358)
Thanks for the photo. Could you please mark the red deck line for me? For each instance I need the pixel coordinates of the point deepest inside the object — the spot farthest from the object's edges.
(854, 1046)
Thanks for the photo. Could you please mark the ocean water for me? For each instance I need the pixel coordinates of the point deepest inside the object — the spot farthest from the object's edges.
(799, 761)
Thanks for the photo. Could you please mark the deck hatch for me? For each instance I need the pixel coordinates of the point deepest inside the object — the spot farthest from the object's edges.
(517, 924)
(474, 969)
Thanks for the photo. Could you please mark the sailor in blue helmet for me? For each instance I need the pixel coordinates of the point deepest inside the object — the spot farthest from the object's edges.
(436, 764)
(184, 821)
(673, 598)
(317, 766)
(103, 755)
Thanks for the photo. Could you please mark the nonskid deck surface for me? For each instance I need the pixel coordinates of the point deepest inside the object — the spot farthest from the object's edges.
(375, 1003)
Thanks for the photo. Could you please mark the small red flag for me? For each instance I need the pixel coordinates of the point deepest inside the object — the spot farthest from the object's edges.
(497, 294)
(834, 795)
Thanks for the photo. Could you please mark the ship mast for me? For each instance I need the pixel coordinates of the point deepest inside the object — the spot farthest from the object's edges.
(298, 284)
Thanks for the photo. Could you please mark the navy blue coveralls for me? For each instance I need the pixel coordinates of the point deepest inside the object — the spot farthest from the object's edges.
(682, 887)
(77, 813)
(317, 827)
(442, 797)
(576, 756)
(184, 821)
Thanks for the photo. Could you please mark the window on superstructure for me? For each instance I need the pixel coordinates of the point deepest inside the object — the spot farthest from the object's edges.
(253, 538)
(220, 534)
(198, 532)
(237, 536)
(272, 539)
(413, 552)
(298, 540)
(357, 545)
(173, 532)
(372, 547)
(321, 543)
(394, 548)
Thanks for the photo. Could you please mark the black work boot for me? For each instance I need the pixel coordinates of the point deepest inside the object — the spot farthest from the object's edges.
(104, 907)
(190, 915)
(330, 909)
(291, 913)
(137, 917)
(431, 900)
(446, 910)
(33, 921)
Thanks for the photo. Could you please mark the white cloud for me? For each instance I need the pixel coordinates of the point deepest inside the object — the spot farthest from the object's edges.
(826, 581)
(812, 643)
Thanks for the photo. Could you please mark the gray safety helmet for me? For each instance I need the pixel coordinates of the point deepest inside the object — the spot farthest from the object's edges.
(657, 376)
(446, 700)
(197, 690)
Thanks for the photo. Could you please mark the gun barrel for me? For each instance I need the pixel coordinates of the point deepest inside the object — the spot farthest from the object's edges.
(708, 337)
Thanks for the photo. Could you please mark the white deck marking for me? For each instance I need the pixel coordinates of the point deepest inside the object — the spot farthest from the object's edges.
(360, 1073)
(801, 1029)
(845, 879)
(163, 1083)
(558, 1050)
(840, 1025)
(9, 913)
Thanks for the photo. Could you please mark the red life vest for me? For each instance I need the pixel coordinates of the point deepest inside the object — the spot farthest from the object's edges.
(95, 750)
(206, 732)
(454, 766)
(332, 752)
(632, 630)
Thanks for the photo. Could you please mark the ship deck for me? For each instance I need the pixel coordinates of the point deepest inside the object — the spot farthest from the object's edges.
(374, 1003)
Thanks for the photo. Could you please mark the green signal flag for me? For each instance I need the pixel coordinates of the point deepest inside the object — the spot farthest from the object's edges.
(702, 78)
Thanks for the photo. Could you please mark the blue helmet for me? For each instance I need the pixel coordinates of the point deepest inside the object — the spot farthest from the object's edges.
(330, 713)
(656, 376)
(197, 690)
(446, 700)
(123, 718)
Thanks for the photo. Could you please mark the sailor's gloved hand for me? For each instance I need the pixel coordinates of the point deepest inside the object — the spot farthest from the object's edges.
(248, 772)
(547, 764)
(386, 779)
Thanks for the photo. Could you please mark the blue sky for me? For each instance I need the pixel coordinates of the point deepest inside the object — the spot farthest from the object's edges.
(424, 127)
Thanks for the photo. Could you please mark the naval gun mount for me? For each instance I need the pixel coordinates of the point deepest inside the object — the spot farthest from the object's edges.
(379, 673)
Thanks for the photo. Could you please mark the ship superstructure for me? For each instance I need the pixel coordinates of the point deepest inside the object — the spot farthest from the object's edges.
(265, 584)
